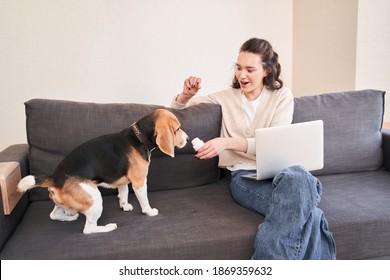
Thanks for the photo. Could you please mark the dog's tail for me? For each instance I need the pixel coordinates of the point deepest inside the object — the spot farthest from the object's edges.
(31, 181)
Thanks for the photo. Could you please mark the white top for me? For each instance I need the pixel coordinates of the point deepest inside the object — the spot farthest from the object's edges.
(250, 107)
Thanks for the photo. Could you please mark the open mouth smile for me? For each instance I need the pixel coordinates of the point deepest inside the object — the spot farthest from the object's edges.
(244, 83)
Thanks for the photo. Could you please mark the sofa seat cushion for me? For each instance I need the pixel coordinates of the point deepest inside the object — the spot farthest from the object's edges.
(194, 223)
(352, 128)
(358, 211)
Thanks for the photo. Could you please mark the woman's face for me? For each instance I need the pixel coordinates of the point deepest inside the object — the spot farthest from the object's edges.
(250, 72)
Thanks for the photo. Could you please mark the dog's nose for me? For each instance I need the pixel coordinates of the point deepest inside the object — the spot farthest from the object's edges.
(186, 138)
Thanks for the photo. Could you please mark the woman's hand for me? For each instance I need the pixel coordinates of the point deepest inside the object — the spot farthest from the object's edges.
(215, 146)
(190, 88)
(211, 148)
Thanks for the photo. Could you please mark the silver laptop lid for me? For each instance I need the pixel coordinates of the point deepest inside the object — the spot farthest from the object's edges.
(283, 146)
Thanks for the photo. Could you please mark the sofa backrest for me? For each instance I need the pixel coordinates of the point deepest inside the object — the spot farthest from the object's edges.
(352, 134)
(352, 128)
(56, 127)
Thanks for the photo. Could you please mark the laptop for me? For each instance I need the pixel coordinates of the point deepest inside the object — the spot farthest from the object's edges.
(283, 146)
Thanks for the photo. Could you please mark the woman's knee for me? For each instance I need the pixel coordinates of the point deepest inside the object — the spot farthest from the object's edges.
(296, 181)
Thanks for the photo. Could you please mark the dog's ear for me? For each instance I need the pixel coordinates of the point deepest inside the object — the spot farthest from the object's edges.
(165, 139)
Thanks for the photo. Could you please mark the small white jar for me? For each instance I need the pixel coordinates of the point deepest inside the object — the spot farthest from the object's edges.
(197, 143)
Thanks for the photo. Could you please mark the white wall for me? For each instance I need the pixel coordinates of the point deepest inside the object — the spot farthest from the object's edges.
(142, 50)
(373, 48)
(125, 50)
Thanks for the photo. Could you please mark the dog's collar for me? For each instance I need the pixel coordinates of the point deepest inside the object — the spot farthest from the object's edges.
(141, 137)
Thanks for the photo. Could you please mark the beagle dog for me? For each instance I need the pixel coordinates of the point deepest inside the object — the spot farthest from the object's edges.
(110, 161)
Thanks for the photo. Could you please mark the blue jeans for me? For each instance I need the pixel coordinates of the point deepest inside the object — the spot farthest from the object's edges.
(294, 227)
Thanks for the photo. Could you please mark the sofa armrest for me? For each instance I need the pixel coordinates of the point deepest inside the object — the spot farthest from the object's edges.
(9, 178)
(18, 153)
(386, 148)
(8, 223)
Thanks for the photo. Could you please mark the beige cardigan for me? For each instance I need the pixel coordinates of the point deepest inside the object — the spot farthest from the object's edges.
(276, 108)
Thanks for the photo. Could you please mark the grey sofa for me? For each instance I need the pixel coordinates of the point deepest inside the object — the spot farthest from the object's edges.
(198, 218)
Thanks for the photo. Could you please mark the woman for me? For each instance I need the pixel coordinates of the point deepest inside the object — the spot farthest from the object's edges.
(294, 227)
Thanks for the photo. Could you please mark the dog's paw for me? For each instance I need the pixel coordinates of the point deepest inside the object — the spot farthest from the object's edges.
(94, 228)
(126, 207)
(111, 226)
(64, 215)
(73, 217)
(151, 212)
(72, 214)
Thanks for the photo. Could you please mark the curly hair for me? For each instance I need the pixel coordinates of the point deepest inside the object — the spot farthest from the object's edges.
(269, 60)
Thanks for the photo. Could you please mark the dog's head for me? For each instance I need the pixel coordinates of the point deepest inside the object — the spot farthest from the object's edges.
(168, 133)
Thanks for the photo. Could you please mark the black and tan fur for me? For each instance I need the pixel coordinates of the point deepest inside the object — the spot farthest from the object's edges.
(111, 161)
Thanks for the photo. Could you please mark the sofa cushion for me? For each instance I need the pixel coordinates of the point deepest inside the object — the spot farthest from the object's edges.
(55, 127)
(194, 223)
(357, 208)
(352, 128)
